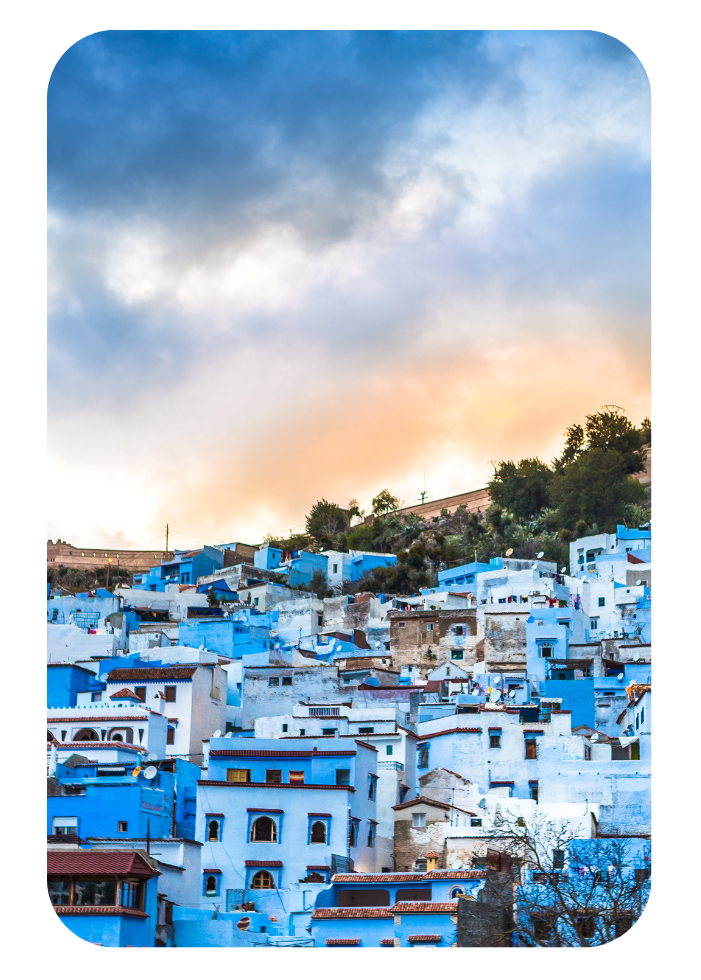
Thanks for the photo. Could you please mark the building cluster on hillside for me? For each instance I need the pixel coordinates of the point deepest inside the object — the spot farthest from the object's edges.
(233, 761)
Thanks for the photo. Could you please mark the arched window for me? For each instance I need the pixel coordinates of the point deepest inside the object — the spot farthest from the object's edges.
(117, 738)
(318, 832)
(86, 735)
(264, 829)
(262, 879)
(457, 892)
(50, 737)
(213, 830)
(210, 887)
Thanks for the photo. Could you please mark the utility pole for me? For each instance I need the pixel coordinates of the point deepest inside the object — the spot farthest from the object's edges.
(166, 540)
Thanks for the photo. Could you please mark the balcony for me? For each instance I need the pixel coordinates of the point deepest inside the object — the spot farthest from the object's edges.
(399, 766)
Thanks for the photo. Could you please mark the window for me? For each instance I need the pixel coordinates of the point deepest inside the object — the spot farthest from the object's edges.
(303, 731)
(457, 892)
(60, 892)
(642, 715)
(84, 735)
(459, 630)
(273, 682)
(170, 736)
(456, 655)
(533, 789)
(287, 682)
(264, 829)
(594, 624)
(262, 879)
(213, 830)
(372, 787)
(296, 777)
(602, 600)
(546, 650)
(343, 777)
(495, 738)
(418, 819)
(65, 826)
(211, 885)
(317, 833)
(371, 834)
(423, 757)
(284, 728)
(140, 692)
(429, 627)
(622, 924)
(328, 731)
(94, 892)
(542, 929)
(531, 748)
(558, 859)
(475, 821)
(335, 569)
(170, 693)
(238, 775)
(130, 893)
(641, 875)
(273, 775)
(96, 696)
(319, 619)
(389, 750)
(366, 731)
(353, 832)
(586, 926)
(122, 826)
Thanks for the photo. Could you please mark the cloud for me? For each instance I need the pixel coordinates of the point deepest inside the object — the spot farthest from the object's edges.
(286, 265)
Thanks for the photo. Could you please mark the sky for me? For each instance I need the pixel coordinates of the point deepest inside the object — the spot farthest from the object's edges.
(293, 265)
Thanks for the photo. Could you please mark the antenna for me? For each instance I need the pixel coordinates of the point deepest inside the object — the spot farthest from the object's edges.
(167, 532)
(217, 734)
(150, 772)
(594, 737)
(509, 552)
(482, 804)
(620, 677)
(563, 569)
(494, 696)
(540, 554)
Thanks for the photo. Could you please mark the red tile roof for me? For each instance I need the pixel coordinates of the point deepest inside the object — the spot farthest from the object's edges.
(318, 814)
(429, 802)
(450, 731)
(256, 809)
(439, 874)
(275, 753)
(317, 867)
(386, 942)
(99, 910)
(211, 871)
(401, 908)
(214, 814)
(94, 862)
(152, 674)
(424, 939)
(343, 942)
(125, 693)
(359, 913)
(431, 854)
(263, 864)
(99, 745)
(223, 782)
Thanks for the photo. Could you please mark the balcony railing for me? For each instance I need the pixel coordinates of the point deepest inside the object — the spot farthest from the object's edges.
(391, 765)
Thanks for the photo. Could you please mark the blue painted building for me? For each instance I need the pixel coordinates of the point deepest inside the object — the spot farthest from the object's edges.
(268, 558)
(183, 569)
(465, 575)
(275, 813)
(106, 800)
(400, 909)
(301, 568)
(64, 682)
(106, 897)
(86, 610)
(246, 631)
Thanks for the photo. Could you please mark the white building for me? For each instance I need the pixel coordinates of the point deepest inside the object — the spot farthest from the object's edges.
(122, 721)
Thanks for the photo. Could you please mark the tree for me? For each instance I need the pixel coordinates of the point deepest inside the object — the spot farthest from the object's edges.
(595, 488)
(384, 502)
(325, 521)
(563, 889)
(610, 431)
(318, 584)
(521, 488)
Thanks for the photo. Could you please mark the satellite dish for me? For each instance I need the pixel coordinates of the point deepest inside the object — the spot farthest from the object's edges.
(620, 677)
(494, 696)
(482, 804)
(217, 734)
(456, 865)
(135, 772)
(564, 568)
(229, 735)
(594, 737)
(512, 694)
(150, 772)
(540, 554)
(636, 657)
(509, 552)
